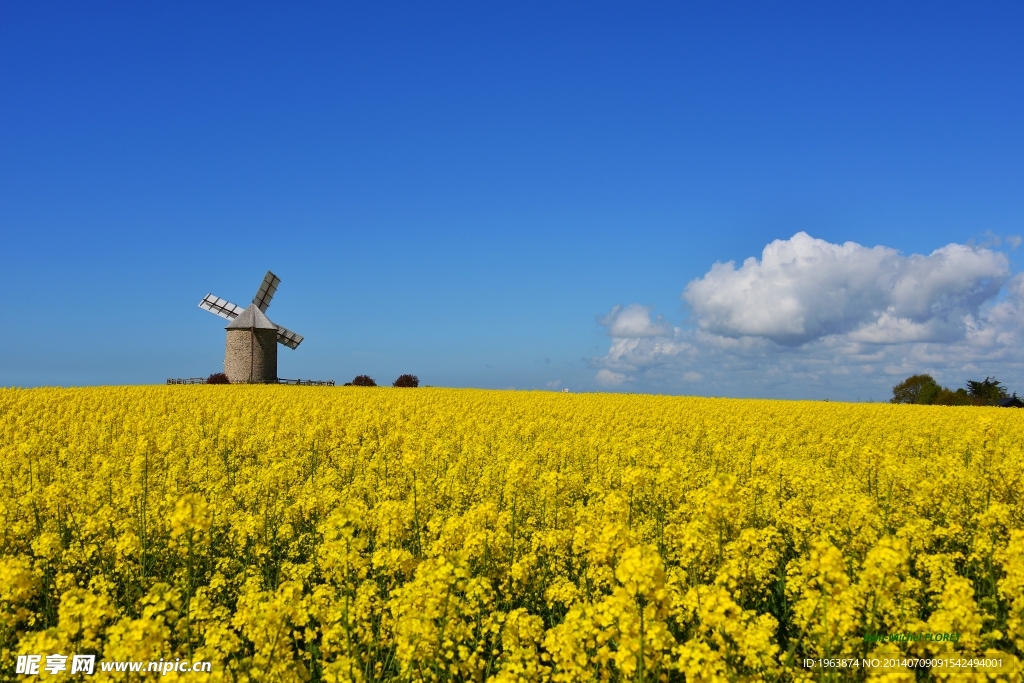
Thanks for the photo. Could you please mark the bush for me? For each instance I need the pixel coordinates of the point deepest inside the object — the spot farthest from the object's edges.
(407, 381)
(218, 378)
(364, 381)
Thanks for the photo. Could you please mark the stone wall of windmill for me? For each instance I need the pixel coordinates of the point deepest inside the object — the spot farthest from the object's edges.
(251, 351)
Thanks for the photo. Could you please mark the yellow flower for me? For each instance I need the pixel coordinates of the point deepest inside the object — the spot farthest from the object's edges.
(340, 534)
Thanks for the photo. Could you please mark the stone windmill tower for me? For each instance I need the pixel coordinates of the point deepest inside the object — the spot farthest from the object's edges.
(252, 339)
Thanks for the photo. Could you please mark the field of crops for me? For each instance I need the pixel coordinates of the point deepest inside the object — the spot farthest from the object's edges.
(354, 534)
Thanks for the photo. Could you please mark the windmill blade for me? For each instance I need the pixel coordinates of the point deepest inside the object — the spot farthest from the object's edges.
(221, 307)
(287, 337)
(266, 291)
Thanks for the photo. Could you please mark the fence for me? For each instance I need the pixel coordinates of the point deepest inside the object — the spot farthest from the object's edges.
(300, 382)
(308, 382)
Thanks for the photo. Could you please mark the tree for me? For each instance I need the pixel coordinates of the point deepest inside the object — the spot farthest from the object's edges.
(948, 397)
(929, 394)
(364, 381)
(910, 389)
(924, 390)
(407, 381)
(218, 378)
(987, 392)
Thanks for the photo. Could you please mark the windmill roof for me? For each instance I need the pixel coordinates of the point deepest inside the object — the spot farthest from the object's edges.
(252, 317)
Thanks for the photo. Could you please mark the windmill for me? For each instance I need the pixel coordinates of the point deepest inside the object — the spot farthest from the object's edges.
(252, 339)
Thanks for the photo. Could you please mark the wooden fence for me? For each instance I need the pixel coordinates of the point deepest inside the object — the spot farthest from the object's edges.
(299, 382)
(308, 382)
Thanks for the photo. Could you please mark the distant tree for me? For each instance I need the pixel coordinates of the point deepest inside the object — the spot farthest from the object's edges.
(910, 389)
(948, 397)
(407, 381)
(986, 392)
(218, 378)
(924, 390)
(929, 394)
(364, 381)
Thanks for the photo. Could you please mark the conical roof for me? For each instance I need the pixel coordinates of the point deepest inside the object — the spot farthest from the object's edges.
(250, 318)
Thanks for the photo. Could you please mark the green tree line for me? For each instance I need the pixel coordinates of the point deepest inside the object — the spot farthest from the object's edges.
(924, 390)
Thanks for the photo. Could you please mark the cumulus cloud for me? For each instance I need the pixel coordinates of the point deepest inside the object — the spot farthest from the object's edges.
(804, 289)
(610, 379)
(629, 354)
(634, 322)
(811, 313)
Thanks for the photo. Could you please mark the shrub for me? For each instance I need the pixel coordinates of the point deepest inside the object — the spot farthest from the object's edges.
(407, 381)
(364, 381)
(218, 378)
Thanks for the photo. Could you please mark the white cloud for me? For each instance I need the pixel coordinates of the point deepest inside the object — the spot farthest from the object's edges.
(811, 315)
(643, 351)
(804, 289)
(634, 321)
(554, 384)
(609, 378)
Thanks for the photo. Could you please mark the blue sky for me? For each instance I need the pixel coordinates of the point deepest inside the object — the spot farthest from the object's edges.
(477, 194)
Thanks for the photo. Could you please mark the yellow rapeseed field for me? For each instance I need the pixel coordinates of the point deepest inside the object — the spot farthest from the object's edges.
(354, 534)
